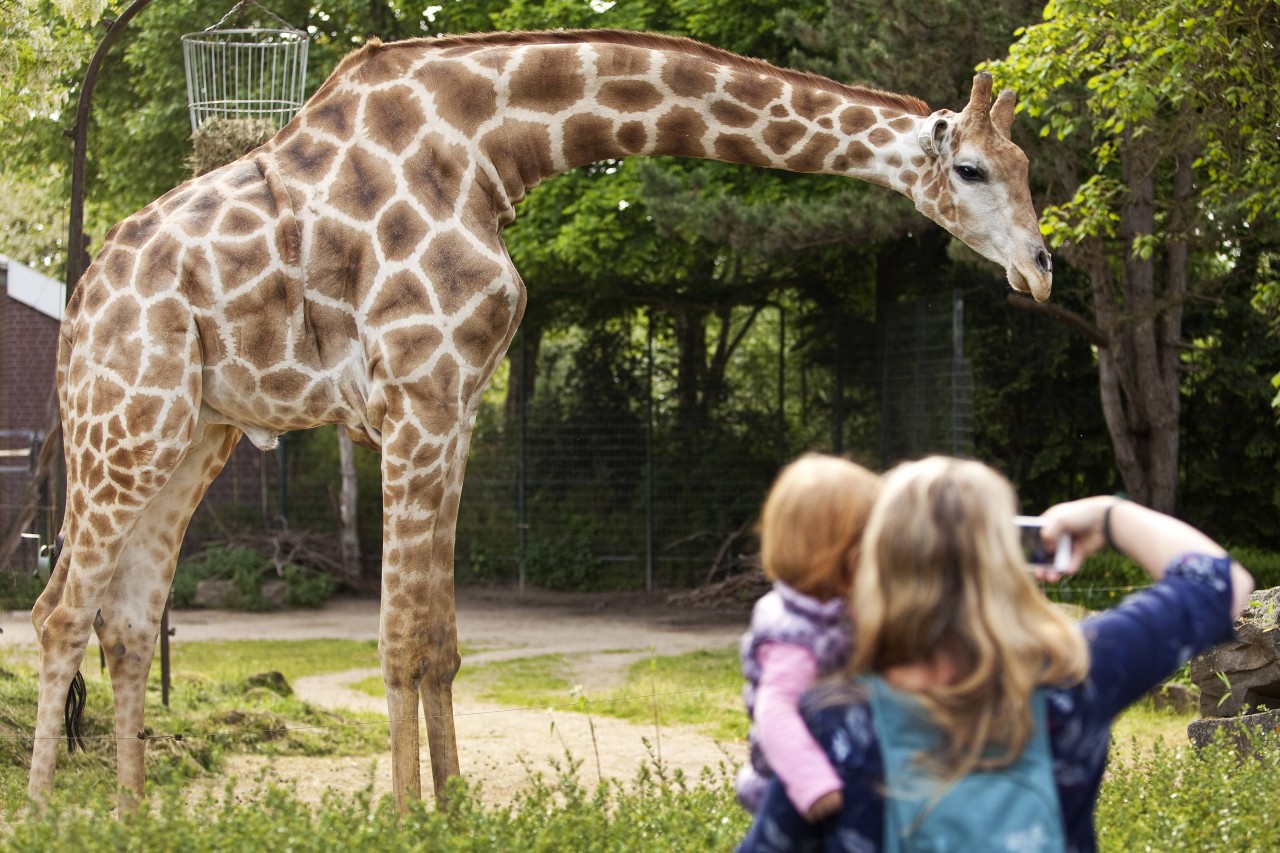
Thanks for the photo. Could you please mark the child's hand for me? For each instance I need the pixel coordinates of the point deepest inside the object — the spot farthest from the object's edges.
(827, 805)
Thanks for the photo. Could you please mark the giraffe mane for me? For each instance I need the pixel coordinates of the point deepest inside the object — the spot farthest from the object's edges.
(861, 94)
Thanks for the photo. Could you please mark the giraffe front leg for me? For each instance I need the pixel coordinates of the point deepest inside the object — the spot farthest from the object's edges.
(443, 662)
(418, 639)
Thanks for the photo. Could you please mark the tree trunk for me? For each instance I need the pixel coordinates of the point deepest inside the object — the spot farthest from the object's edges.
(348, 505)
(1138, 371)
(691, 339)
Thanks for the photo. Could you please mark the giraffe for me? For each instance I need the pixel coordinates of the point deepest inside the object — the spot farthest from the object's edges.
(352, 271)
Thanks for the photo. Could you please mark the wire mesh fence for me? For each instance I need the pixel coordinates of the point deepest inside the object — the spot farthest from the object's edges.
(603, 470)
(605, 478)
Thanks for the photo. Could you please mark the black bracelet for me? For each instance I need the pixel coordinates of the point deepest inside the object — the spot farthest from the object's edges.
(1106, 526)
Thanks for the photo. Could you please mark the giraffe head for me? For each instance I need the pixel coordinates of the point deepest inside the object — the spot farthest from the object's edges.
(976, 187)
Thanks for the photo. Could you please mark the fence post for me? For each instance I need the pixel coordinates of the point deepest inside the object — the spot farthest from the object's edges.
(648, 456)
(522, 525)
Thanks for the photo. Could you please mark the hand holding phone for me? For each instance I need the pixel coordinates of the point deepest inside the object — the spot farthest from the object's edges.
(1039, 555)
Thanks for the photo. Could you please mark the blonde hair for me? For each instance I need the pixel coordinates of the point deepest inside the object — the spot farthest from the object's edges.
(943, 572)
(812, 522)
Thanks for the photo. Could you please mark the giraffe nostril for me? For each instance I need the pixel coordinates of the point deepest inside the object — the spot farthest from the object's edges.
(1044, 261)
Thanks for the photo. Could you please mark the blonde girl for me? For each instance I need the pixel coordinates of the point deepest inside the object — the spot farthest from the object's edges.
(949, 615)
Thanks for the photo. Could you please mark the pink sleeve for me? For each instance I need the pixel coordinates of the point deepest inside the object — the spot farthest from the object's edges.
(786, 671)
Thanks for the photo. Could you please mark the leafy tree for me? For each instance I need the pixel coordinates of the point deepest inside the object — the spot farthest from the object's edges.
(1169, 106)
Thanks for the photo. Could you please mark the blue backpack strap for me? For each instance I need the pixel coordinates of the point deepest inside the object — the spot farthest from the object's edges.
(1014, 808)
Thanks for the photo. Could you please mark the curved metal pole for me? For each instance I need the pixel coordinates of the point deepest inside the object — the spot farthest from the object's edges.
(80, 134)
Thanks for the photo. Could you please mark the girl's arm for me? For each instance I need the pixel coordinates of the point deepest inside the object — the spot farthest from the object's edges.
(1152, 539)
(811, 783)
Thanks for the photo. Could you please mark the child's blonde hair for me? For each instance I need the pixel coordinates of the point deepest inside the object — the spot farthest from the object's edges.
(812, 522)
(943, 572)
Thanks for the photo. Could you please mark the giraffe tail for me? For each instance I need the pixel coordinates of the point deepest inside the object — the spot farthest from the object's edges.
(73, 713)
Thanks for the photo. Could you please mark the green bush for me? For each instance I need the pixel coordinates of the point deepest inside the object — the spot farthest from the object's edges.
(1182, 799)
(1105, 578)
(19, 590)
(1264, 565)
(249, 570)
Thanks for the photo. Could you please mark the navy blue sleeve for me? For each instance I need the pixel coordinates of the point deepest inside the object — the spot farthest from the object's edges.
(779, 827)
(846, 735)
(1138, 644)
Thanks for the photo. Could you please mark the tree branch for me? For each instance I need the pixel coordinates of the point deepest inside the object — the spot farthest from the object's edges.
(1070, 319)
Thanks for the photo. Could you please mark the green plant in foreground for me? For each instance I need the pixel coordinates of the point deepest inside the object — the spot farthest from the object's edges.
(655, 812)
(1162, 798)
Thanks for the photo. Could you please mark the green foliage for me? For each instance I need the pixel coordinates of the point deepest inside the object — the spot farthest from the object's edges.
(657, 811)
(1179, 72)
(1176, 798)
(1105, 578)
(248, 569)
(1264, 565)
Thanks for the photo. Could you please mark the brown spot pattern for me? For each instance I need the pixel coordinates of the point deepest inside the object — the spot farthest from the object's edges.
(363, 184)
(392, 117)
(583, 135)
(400, 230)
(629, 96)
(680, 132)
(463, 98)
(755, 90)
(856, 120)
(813, 157)
(548, 80)
(811, 104)
(736, 148)
(456, 270)
(632, 136)
(688, 77)
(781, 136)
(732, 115)
(880, 137)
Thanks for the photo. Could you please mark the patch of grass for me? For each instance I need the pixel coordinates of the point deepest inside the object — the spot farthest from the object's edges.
(519, 682)
(237, 659)
(1143, 727)
(214, 707)
(701, 688)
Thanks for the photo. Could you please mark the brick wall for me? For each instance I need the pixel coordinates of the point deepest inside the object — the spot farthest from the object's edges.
(28, 352)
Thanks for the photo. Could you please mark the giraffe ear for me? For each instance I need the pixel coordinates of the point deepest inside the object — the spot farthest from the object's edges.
(1002, 112)
(980, 95)
(933, 134)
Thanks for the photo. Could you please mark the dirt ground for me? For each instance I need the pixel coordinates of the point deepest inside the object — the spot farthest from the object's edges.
(601, 635)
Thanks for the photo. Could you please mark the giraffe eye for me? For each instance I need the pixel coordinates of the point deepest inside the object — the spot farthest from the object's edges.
(971, 173)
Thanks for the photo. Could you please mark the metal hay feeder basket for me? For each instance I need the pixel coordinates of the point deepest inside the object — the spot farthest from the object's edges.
(245, 73)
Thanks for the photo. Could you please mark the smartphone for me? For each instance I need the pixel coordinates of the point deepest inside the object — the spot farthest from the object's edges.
(1038, 554)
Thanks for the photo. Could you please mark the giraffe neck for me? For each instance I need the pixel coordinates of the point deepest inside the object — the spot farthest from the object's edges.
(530, 106)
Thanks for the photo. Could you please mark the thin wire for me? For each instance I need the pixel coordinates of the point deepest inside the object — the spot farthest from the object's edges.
(178, 737)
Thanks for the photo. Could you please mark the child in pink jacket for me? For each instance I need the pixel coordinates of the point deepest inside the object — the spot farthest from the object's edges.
(810, 529)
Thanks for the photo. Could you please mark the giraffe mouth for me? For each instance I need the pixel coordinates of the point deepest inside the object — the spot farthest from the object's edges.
(1039, 283)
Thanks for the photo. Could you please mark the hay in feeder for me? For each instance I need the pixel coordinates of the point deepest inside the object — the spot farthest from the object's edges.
(220, 140)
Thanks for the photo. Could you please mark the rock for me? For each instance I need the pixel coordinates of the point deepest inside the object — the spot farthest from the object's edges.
(217, 594)
(1243, 676)
(276, 593)
(1246, 733)
(273, 681)
(1175, 697)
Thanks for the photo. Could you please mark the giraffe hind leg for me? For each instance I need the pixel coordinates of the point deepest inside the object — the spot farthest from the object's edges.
(77, 694)
(135, 600)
